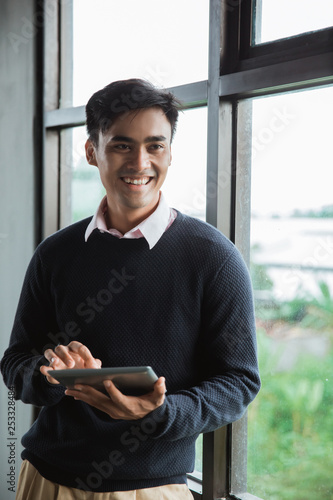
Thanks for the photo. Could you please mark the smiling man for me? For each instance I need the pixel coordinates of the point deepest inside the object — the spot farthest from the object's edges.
(137, 284)
(133, 157)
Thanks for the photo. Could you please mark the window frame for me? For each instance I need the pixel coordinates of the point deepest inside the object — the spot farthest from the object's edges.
(237, 71)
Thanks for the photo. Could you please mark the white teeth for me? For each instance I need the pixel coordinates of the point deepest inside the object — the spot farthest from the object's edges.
(143, 180)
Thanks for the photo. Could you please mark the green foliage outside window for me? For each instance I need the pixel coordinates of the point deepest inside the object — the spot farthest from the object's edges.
(290, 422)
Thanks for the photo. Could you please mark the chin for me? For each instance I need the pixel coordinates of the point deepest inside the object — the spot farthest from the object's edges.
(150, 202)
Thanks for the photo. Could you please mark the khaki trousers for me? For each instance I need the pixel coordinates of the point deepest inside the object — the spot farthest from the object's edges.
(33, 486)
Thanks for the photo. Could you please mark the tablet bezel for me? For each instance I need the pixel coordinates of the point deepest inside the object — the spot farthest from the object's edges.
(131, 380)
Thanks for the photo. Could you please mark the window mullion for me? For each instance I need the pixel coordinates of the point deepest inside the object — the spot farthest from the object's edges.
(66, 99)
(216, 445)
(213, 109)
(51, 102)
(216, 464)
(277, 77)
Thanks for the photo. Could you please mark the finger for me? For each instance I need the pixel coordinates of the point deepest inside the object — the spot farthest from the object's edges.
(53, 359)
(159, 386)
(113, 391)
(100, 401)
(84, 353)
(133, 407)
(74, 346)
(63, 353)
(89, 395)
(49, 355)
(73, 391)
(99, 363)
(82, 389)
(158, 394)
(45, 370)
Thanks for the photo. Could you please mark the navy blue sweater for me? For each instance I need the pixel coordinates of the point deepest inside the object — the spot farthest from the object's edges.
(185, 307)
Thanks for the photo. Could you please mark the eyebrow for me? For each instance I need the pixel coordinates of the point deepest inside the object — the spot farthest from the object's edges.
(151, 138)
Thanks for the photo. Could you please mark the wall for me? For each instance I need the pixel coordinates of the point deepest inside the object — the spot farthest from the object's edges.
(17, 72)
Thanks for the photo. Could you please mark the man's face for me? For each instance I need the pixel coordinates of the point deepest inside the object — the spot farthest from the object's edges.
(133, 157)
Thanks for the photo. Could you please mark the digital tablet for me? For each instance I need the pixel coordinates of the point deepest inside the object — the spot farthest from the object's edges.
(133, 380)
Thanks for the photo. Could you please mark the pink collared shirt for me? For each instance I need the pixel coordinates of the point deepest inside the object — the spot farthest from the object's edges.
(151, 228)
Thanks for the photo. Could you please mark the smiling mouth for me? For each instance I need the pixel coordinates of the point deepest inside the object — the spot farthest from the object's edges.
(136, 181)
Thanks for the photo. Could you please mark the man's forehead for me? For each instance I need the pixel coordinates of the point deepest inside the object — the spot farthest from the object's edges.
(147, 122)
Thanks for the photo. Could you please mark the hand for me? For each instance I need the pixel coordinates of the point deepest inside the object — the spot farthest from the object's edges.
(116, 404)
(74, 355)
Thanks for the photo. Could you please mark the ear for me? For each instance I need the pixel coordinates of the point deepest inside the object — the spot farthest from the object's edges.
(170, 156)
(90, 153)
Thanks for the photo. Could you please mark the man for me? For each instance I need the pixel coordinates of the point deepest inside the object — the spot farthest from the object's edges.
(137, 284)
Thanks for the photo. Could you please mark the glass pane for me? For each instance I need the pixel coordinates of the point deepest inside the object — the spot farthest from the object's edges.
(86, 187)
(184, 188)
(198, 457)
(290, 422)
(185, 185)
(164, 42)
(284, 18)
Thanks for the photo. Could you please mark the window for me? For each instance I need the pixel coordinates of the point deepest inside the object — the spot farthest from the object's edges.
(274, 20)
(81, 187)
(258, 111)
(292, 271)
(118, 40)
(185, 185)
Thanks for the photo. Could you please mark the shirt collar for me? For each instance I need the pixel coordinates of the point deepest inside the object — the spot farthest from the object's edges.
(151, 228)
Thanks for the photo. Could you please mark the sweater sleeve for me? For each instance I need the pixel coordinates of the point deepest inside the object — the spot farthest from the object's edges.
(229, 358)
(33, 321)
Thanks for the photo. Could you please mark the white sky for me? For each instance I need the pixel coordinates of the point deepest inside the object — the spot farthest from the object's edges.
(292, 161)
(163, 41)
(303, 15)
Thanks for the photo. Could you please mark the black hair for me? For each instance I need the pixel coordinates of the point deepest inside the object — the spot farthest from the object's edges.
(107, 104)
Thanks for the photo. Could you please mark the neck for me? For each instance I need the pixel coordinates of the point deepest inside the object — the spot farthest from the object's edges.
(125, 219)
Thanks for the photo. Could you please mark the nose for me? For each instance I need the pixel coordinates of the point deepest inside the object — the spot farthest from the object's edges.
(140, 160)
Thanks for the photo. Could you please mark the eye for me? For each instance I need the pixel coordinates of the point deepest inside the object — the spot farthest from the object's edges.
(156, 147)
(122, 147)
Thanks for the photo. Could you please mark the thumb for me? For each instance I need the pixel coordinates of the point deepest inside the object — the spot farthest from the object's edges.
(160, 386)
